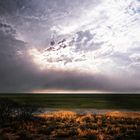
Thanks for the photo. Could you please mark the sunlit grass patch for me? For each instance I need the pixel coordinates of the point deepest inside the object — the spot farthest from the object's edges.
(123, 114)
(71, 125)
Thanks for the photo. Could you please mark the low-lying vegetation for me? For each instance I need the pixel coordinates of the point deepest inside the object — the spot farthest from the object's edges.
(11, 111)
(71, 126)
(72, 101)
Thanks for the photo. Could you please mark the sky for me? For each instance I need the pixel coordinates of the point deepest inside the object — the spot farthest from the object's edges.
(69, 45)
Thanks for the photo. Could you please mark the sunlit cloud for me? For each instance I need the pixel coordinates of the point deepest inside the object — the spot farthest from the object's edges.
(94, 37)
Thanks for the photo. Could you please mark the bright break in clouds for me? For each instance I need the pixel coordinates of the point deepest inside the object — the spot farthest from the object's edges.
(69, 45)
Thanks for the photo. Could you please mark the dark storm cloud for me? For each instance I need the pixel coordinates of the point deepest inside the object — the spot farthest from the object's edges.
(19, 74)
(7, 28)
(33, 19)
(8, 43)
(81, 81)
(14, 68)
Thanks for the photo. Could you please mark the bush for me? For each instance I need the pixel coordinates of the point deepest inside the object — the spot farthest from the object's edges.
(10, 110)
(25, 112)
(7, 109)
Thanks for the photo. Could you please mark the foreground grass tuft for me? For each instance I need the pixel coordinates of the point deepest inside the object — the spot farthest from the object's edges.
(69, 125)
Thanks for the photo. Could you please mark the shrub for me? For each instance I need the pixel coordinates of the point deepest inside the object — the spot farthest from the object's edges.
(10, 110)
(25, 112)
(7, 109)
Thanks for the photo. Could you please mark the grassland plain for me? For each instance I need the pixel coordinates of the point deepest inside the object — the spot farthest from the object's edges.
(69, 125)
(98, 101)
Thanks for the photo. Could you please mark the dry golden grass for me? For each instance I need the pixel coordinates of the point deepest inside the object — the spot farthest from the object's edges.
(124, 114)
(59, 114)
(69, 125)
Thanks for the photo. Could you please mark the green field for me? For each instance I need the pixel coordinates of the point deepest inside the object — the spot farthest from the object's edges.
(98, 101)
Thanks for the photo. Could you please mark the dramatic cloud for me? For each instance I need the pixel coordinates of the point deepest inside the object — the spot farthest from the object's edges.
(69, 45)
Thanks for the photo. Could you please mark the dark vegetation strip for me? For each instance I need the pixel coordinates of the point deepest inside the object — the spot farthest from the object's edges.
(99, 101)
